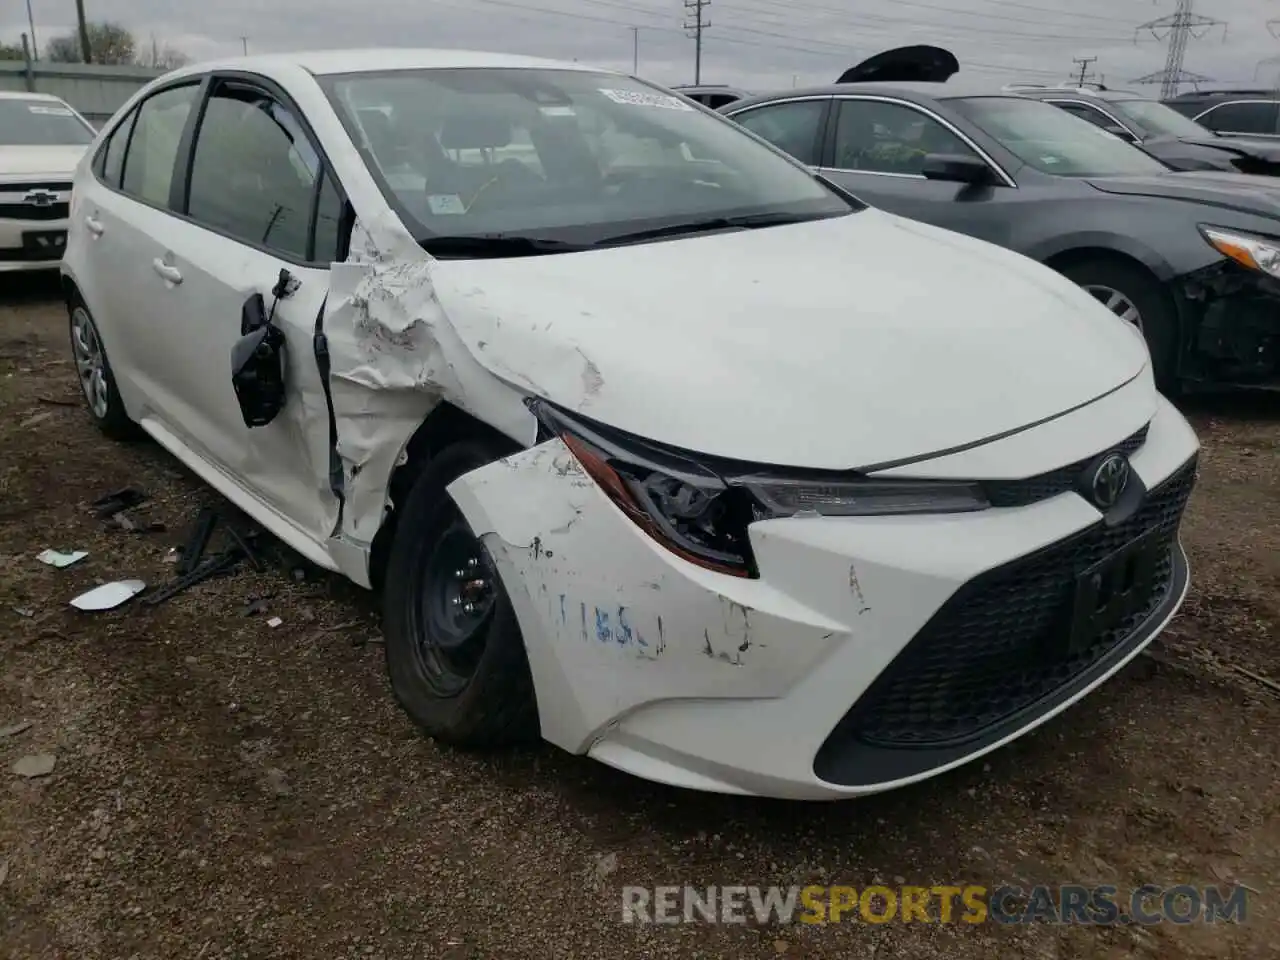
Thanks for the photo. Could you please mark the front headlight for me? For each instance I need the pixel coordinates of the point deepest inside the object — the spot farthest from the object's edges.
(1256, 253)
(700, 508)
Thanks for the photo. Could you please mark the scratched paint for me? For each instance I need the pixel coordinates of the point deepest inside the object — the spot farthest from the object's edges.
(856, 588)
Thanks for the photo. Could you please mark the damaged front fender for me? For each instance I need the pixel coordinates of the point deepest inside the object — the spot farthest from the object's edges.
(612, 620)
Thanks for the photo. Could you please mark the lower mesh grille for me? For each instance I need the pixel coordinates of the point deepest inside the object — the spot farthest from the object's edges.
(996, 647)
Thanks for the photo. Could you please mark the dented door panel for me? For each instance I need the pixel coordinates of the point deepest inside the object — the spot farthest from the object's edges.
(611, 619)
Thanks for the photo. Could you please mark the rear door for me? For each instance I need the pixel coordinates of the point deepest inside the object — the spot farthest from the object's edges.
(114, 243)
(260, 198)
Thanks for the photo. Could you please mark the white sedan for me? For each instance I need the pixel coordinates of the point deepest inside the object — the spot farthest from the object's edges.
(42, 140)
(654, 442)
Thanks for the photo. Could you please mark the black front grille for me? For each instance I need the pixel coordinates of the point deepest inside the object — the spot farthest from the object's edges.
(29, 211)
(992, 650)
(1020, 493)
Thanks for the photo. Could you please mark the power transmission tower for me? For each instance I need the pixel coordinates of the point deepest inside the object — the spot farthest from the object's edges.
(1084, 66)
(695, 7)
(1178, 27)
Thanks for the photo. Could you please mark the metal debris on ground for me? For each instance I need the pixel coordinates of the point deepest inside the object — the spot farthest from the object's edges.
(36, 765)
(36, 419)
(109, 595)
(26, 612)
(274, 622)
(60, 401)
(194, 567)
(15, 729)
(126, 498)
(56, 558)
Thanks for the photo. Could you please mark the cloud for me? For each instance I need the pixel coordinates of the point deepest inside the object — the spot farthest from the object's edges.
(753, 43)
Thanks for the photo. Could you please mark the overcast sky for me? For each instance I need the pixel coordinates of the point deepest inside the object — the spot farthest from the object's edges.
(753, 43)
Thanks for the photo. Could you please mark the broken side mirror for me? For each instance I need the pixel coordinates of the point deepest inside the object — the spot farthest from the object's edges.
(257, 365)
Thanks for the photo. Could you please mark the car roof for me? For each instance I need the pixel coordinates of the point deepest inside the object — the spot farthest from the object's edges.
(1241, 94)
(330, 62)
(23, 95)
(1107, 96)
(949, 90)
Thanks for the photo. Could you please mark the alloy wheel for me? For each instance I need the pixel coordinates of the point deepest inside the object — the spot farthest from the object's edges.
(91, 363)
(1119, 304)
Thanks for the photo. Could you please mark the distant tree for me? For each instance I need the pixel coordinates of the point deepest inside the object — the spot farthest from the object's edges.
(109, 43)
(11, 51)
(161, 55)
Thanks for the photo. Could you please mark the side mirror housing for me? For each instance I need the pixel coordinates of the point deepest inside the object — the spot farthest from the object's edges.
(956, 169)
(258, 365)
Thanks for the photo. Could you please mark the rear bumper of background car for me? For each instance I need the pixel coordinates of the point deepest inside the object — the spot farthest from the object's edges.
(871, 652)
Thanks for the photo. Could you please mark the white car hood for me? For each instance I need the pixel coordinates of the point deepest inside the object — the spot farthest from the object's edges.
(831, 344)
(54, 161)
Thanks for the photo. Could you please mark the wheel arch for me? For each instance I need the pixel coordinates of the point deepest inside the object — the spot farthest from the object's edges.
(445, 425)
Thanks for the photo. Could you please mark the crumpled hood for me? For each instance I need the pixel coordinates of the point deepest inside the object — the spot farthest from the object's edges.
(1255, 195)
(58, 162)
(831, 344)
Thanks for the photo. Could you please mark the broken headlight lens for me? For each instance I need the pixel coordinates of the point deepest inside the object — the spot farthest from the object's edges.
(1256, 253)
(702, 514)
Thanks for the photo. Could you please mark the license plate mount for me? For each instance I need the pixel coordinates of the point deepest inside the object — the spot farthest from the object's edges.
(44, 244)
(1111, 591)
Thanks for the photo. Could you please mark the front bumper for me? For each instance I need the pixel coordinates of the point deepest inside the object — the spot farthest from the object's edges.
(33, 225)
(871, 653)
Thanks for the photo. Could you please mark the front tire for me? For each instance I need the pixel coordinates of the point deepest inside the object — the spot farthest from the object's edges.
(1135, 296)
(455, 656)
(97, 381)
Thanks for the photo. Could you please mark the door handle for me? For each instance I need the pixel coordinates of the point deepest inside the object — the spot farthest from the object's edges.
(96, 227)
(166, 270)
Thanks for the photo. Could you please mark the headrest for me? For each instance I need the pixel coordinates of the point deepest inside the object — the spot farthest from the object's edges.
(474, 132)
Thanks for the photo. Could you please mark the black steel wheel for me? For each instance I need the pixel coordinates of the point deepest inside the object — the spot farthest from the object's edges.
(455, 655)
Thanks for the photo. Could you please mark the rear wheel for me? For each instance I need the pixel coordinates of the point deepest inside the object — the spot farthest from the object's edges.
(1136, 297)
(97, 382)
(455, 655)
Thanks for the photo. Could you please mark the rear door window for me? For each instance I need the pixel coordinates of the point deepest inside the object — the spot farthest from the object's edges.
(1253, 116)
(792, 127)
(153, 147)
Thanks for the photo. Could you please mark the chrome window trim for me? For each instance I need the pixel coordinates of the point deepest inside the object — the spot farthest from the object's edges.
(986, 157)
(1199, 117)
(1106, 113)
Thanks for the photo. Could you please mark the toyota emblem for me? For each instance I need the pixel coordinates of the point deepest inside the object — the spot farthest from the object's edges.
(1109, 480)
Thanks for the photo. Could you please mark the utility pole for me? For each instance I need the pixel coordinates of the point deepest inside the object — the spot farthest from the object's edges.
(244, 43)
(31, 22)
(1084, 67)
(1178, 27)
(635, 50)
(85, 51)
(695, 7)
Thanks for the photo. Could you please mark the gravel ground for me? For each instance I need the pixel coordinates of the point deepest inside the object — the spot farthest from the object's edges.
(223, 788)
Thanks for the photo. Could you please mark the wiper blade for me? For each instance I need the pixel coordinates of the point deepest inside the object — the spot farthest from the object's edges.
(497, 245)
(744, 222)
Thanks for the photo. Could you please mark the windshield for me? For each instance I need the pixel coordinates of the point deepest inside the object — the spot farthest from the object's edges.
(1054, 141)
(562, 155)
(40, 123)
(1160, 119)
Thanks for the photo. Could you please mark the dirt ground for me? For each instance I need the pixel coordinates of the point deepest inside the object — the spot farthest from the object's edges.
(223, 788)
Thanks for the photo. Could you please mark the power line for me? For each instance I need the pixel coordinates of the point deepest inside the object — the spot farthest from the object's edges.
(845, 17)
(696, 7)
(1178, 27)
